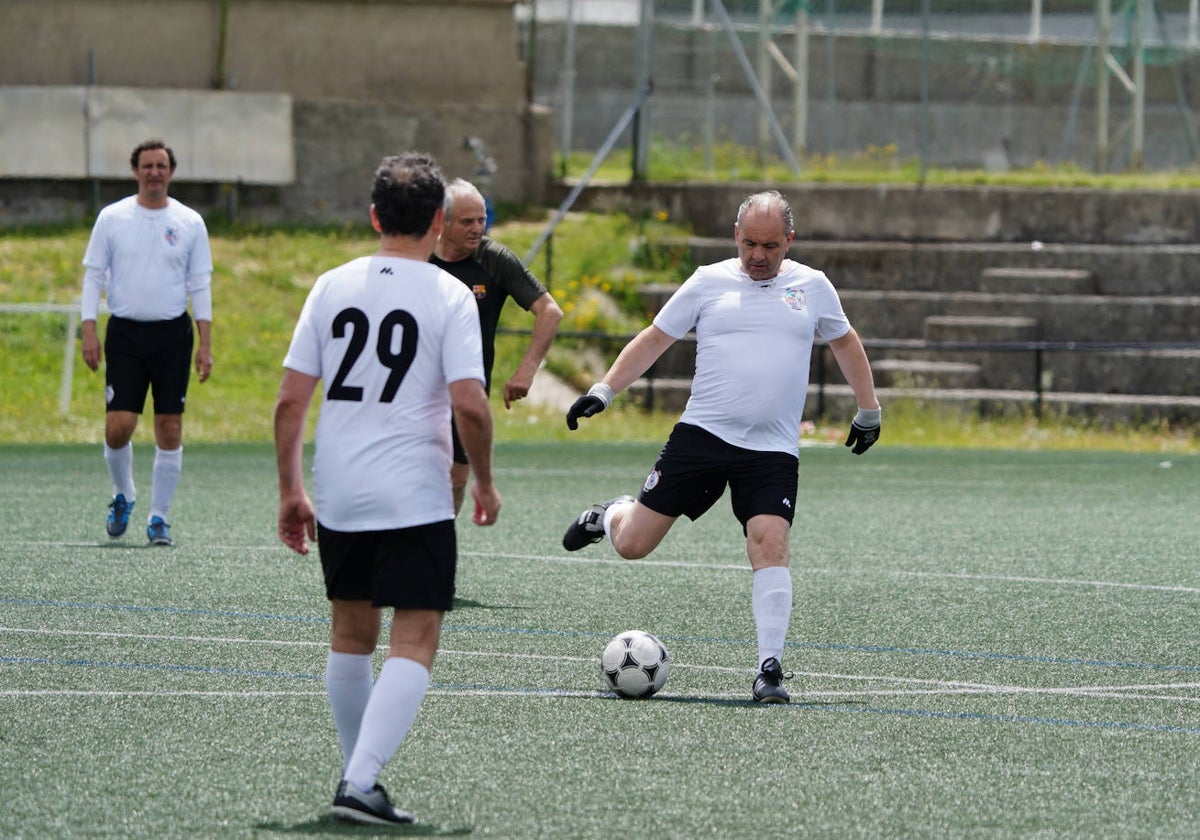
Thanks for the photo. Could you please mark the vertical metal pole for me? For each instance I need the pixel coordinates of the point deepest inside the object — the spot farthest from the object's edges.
(800, 91)
(1138, 140)
(1104, 29)
(764, 79)
(1038, 366)
(710, 99)
(88, 129)
(876, 17)
(924, 128)
(831, 80)
(566, 141)
(641, 122)
(1035, 21)
(1193, 24)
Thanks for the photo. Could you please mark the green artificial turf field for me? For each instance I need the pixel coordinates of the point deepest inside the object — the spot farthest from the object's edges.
(984, 643)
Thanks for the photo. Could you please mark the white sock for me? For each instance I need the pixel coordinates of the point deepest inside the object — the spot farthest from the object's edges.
(389, 715)
(609, 512)
(168, 463)
(348, 686)
(772, 604)
(120, 470)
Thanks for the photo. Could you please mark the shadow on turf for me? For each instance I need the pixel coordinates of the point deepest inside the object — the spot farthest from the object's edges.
(327, 825)
(723, 701)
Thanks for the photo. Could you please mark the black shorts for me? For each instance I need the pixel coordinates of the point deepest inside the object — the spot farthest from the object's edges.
(695, 466)
(405, 568)
(148, 355)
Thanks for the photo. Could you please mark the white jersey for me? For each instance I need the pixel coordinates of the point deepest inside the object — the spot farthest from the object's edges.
(386, 335)
(148, 262)
(754, 342)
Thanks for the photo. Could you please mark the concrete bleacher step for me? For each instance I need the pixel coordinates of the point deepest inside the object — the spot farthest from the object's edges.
(837, 401)
(924, 372)
(981, 328)
(1038, 281)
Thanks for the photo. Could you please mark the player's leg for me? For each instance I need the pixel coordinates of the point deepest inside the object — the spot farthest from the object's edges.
(414, 573)
(763, 492)
(170, 372)
(682, 482)
(126, 384)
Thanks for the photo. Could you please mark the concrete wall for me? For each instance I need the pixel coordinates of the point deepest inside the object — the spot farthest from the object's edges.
(367, 78)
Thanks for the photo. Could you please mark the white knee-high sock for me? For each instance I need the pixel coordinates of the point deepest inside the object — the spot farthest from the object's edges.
(772, 604)
(168, 463)
(389, 715)
(348, 685)
(120, 470)
(608, 516)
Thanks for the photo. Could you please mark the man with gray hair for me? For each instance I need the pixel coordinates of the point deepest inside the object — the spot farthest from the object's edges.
(755, 317)
(493, 273)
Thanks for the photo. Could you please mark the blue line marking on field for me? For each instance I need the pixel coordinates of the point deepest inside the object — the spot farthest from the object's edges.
(34, 602)
(1042, 721)
(529, 631)
(140, 666)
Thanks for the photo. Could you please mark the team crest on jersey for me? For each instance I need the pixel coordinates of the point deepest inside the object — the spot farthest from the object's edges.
(480, 291)
(171, 235)
(795, 299)
(651, 481)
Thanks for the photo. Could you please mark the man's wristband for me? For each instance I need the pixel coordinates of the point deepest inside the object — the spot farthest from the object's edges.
(868, 418)
(603, 392)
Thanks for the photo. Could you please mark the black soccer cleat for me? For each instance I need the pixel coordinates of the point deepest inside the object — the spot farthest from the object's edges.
(371, 808)
(768, 685)
(588, 528)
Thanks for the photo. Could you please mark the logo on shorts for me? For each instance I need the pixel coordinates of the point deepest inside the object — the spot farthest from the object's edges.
(108, 394)
(651, 481)
(171, 235)
(795, 299)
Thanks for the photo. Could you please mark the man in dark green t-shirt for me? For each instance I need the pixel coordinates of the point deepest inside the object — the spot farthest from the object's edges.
(493, 273)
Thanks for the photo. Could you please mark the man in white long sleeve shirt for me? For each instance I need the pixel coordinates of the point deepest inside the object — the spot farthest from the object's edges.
(148, 255)
(755, 317)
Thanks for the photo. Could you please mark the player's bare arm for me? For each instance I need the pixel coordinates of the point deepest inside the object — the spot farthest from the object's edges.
(93, 350)
(297, 517)
(634, 360)
(204, 358)
(546, 316)
(852, 359)
(473, 417)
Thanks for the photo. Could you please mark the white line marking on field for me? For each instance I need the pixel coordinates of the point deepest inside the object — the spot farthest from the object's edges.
(77, 692)
(40, 631)
(1191, 590)
(685, 564)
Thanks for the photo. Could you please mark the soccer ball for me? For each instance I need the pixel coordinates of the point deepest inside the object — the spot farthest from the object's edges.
(635, 664)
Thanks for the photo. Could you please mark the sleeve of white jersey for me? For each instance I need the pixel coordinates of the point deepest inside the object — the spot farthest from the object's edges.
(462, 343)
(304, 352)
(832, 322)
(682, 310)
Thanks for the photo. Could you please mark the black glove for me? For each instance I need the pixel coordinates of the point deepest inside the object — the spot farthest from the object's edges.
(585, 406)
(864, 430)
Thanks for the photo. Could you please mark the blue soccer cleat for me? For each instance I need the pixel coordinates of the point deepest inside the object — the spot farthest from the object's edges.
(118, 515)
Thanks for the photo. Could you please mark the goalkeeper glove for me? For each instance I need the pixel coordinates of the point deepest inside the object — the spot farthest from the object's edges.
(864, 429)
(594, 401)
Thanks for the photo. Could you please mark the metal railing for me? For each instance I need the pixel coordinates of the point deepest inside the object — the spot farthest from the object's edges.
(822, 370)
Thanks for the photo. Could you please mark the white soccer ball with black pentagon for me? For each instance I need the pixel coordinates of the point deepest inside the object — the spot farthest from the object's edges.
(635, 664)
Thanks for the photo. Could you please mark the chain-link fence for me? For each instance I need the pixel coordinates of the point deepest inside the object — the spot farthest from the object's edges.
(1099, 85)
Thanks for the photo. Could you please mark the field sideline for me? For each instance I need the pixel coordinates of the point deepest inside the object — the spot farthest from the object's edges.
(991, 643)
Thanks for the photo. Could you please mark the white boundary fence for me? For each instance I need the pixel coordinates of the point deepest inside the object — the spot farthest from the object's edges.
(71, 310)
